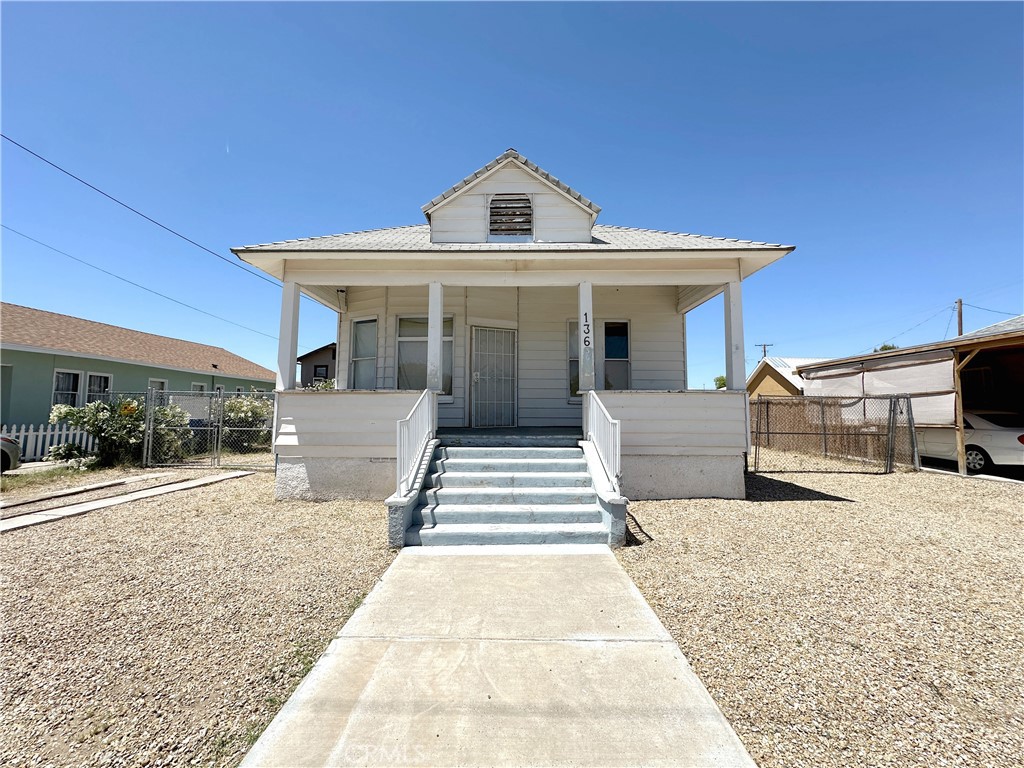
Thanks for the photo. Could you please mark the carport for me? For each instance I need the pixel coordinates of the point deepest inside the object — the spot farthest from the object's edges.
(983, 370)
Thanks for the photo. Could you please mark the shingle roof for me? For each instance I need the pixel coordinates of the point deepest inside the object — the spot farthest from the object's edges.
(51, 330)
(510, 154)
(416, 237)
(1014, 324)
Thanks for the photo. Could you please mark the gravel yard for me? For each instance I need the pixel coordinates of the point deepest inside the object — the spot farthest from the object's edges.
(850, 620)
(170, 631)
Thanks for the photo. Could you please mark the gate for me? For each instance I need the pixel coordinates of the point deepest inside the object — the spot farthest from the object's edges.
(872, 434)
(209, 429)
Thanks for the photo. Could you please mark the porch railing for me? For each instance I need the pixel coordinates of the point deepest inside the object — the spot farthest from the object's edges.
(606, 434)
(414, 432)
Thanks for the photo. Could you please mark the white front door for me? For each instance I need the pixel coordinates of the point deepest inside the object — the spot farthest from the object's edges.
(493, 398)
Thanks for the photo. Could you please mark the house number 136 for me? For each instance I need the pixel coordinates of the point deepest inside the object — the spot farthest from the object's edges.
(586, 330)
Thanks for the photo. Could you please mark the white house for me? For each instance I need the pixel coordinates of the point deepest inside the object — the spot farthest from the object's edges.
(511, 311)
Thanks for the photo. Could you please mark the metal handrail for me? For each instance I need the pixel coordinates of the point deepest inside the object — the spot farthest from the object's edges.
(414, 432)
(606, 434)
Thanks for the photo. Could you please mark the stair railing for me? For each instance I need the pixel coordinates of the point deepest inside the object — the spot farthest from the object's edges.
(414, 432)
(606, 435)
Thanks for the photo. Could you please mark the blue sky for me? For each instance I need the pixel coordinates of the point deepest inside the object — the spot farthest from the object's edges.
(883, 140)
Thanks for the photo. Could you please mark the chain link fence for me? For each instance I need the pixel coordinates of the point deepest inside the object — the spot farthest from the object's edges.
(873, 434)
(209, 429)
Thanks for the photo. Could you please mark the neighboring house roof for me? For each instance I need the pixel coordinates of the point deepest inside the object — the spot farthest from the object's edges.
(27, 327)
(1004, 333)
(416, 237)
(1013, 325)
(509, 155)
(312, 352)
(786, 368)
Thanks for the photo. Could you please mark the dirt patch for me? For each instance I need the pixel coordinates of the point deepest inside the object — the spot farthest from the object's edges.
(170, 631)
(849, 620)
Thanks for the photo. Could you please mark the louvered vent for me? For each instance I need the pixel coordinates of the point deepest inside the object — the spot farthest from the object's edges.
(511, 215)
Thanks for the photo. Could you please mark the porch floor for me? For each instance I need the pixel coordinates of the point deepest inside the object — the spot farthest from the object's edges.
(548, 437)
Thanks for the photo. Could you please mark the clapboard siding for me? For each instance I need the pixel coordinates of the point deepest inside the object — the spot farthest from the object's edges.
(412, 301)
(364, 423)
(543, 358)
(679, 423)
(556, 218)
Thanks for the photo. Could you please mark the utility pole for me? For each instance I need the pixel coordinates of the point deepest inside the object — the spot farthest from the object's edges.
(764, 349)
(959, 317)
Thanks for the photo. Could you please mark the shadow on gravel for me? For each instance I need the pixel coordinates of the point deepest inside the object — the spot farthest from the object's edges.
(761, 488)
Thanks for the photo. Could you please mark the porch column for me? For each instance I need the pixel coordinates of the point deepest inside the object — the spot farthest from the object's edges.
(435, 320)
(686, 354)
(735, 364)
(587, 376)
(288, 339)
(340, 366)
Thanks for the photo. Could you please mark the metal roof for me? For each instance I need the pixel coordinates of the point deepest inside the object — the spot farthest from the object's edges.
(416, 237)
(786, 366)
(510, 154)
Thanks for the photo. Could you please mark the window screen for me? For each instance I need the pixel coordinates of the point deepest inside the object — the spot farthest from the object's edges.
(364, 354)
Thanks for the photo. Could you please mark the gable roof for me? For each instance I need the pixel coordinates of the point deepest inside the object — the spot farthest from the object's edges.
(786, 368)
(28, 327)
(416, 237)
(317, 351)
(510, 155)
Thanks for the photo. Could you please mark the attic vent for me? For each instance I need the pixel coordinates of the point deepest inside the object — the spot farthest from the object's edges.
(511, 215)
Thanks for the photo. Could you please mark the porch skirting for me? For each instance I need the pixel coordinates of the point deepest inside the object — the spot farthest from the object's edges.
(323, 478)
(682, 477)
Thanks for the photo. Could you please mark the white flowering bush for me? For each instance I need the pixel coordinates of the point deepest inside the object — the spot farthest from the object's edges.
(119, 427)
(247, 423)
(326, 384)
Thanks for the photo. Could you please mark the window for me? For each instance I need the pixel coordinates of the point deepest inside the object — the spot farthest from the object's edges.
(412, 353)
(239, 390)
(65, 387)
(319, 372)
(197, 387)
(160, 385)
(574, 358)
(616, 355)
(219, 389)
(364, 354)
(511, 217)
(98, 385)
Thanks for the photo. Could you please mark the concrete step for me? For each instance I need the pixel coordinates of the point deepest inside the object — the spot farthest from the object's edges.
(468, 514)
(499, 533)
(509, 480)
(523, 452)
(508, 495)
(477, 439)
(505, 464)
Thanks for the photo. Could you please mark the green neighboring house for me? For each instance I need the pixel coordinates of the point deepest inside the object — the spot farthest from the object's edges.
(48, 358)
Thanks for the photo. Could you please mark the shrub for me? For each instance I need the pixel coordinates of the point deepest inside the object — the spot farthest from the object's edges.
(65, 452)
(119, 428)
(247, 425)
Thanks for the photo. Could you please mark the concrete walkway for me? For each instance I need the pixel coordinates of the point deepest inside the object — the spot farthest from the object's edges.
(502, 656)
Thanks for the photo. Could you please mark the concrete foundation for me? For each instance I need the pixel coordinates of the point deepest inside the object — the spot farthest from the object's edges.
(682, 477)
(324, 478)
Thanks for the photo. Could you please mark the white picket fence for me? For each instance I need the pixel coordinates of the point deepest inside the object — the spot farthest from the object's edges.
(36, 441)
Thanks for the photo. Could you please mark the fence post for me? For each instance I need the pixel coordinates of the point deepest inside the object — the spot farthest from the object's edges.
(890, 453)
(758, 406)
(147, 431)
(824, 430)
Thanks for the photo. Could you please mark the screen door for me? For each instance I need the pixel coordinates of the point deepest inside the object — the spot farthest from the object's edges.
(494, 377)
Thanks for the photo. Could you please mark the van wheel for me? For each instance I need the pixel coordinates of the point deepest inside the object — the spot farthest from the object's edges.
(977, 459)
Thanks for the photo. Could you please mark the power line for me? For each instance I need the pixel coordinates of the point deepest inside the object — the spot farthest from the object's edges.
(901, 333)
(995, 311)
(150, 219)
(952, 311)
(137, 285)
